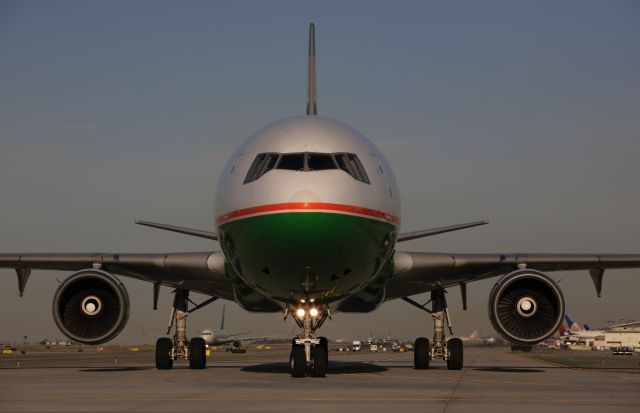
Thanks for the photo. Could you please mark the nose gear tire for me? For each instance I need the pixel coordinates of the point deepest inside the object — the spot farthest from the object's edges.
(319, 355)
(324, 343)
(298, 361)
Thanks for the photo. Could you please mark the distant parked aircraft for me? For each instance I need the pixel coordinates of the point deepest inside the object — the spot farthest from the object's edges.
(219, 337)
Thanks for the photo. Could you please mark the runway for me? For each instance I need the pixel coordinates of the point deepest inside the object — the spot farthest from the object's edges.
(493, 380)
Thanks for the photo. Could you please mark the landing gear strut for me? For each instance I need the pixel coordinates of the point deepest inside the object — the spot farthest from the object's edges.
(193, 350)
(308, 353)
(452, 350)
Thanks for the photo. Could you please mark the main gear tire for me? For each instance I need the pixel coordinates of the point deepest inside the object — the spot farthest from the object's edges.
(197, 353)
(421, 353)
(164, 345)
(456, 354)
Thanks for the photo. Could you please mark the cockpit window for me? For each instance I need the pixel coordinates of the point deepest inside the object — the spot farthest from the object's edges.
(320, 161)
(307, 162)
(291, 161)
(263, 163)
(350, 163)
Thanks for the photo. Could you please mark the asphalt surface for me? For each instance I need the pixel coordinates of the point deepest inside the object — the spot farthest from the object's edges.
(493, 380)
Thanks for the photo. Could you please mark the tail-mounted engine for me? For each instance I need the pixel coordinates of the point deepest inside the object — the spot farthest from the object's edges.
(526, 307)
(91, 306)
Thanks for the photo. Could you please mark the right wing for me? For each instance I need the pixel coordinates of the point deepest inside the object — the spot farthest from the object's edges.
(418, 272)
(201, 272)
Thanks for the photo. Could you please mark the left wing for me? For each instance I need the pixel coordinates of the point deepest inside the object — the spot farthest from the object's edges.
(418, 272)
(197, 271)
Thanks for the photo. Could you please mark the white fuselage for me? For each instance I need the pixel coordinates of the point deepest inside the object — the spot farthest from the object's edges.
(314, 233)
(307, 134)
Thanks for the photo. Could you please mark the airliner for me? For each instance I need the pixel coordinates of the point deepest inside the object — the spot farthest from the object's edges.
(581, 331)
(307, 219)
(220, 337)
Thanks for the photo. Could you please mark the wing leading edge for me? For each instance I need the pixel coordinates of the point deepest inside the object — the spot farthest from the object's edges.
(418, 272)
(197, 271)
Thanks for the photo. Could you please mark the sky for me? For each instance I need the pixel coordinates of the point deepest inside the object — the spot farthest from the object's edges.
(526, 114)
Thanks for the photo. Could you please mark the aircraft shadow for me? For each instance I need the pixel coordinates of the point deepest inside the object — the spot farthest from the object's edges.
(335, 367)
(510, 369)
(114, 369)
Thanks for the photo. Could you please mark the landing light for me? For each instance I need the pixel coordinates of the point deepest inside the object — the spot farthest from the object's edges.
(300, 312)
(313, 312)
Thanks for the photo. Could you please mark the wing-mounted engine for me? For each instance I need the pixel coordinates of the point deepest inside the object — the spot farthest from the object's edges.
(526, 307)
(91, 306)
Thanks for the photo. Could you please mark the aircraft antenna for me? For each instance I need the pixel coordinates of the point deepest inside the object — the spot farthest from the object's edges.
(312, 108)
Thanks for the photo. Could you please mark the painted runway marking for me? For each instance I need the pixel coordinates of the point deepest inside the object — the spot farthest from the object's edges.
(559, 401)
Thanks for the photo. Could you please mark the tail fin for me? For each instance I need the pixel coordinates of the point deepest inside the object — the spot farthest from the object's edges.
(569, 320)
(312, 108)
(222, 322)
(573, 326)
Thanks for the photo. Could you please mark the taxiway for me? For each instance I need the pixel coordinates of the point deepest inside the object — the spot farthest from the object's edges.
(493, 380)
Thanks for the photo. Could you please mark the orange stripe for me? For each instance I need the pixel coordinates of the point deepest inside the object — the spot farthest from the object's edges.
(352, 209)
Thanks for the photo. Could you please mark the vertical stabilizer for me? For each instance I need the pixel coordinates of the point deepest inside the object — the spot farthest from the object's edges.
(569, 320)
(312, 108)
(222, 322)
(573, 326)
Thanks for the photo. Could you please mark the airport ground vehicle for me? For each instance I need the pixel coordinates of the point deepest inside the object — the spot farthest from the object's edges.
(622, 351)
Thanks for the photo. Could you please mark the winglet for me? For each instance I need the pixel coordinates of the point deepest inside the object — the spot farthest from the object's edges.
(312, 108)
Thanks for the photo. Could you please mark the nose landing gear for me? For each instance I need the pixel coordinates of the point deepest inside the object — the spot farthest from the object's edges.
(309, 354)
(452, 350)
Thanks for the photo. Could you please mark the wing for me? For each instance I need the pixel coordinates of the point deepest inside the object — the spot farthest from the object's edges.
(197, 271)
(418, 272)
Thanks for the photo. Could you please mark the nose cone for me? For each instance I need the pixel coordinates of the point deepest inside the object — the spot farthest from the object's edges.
(305, 196)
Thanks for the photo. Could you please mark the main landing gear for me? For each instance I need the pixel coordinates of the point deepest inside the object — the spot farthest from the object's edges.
(193, 350)
(451, 351)
(309, 354)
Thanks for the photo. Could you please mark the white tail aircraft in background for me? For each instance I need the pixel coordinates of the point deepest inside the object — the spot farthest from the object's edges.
(476, 338)
(308, 221)
(220, 337)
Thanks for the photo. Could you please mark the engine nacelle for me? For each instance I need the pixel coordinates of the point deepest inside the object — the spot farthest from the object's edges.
(526, 307)
(91, 306)
(237, 344)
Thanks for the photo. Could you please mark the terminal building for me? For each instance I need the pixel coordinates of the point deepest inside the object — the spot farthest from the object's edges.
(621, 335)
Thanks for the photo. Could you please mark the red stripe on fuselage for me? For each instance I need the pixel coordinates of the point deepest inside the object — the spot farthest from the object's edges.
(301, 206)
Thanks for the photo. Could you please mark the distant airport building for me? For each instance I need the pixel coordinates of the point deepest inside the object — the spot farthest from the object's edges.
(623, 335)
